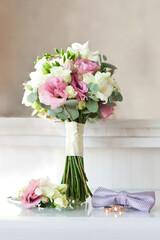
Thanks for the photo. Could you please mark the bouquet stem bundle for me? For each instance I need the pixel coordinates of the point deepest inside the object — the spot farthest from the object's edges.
(75, 178)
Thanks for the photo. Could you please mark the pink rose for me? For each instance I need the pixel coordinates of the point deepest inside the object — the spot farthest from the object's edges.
(106, 111)
(52, 92)
(29, 198)
(85, 66)
(80, 87)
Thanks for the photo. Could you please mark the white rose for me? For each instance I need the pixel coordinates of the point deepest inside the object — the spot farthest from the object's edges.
(84, 51)
(60, 72)
(71, 93)
(61, 202)
(105, 87)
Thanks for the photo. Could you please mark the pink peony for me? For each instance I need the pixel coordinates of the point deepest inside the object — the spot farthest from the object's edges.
(52, 92)
(85, 66)
(29, 198)
(106, 111)
(80, 87)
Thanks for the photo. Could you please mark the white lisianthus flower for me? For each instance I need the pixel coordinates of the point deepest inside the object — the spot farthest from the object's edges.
(47, 189)
(105, 87)
(44, 199)
(61, 202)
(83, 51)
(71, 93)
(60, 72)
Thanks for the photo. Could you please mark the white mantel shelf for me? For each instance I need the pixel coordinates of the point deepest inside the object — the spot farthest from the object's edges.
(113, 133)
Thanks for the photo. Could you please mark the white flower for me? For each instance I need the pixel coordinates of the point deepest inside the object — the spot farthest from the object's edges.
(61, 202)
(60, 72)
(40, 63)
(105, 85)
(47, 189)
(62, 188)
(24, 99)
(71, 93)
(83, 51)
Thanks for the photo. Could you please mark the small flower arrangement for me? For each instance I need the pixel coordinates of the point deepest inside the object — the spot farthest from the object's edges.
(75, 86)
(43, 193)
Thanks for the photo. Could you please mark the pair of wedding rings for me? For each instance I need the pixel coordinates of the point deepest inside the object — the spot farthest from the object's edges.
(113, 209)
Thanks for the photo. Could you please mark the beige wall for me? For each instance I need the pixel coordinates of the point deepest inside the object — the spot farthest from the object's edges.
(126, 30)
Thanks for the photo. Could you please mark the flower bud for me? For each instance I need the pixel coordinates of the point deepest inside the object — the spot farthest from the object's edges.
(81, 105)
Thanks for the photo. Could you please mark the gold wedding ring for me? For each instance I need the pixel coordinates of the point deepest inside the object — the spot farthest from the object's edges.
(114, 208)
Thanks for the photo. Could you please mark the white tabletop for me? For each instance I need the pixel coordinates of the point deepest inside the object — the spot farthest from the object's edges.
(17, 223)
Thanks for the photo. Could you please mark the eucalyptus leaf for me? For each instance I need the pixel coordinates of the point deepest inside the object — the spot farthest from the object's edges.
(111, 104)
(62, 115)
(94, 88)
(108, 65)
(58, 110)
(85, 111)
(89, 85)
(120, 97)
(74, 113)
(48, 107)
(104, 57)
(72, 102)
(93, 98)
(92, 106)
(32, 97)
(51, 113)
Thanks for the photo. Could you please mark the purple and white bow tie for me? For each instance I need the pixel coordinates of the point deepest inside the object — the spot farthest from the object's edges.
(142, 201)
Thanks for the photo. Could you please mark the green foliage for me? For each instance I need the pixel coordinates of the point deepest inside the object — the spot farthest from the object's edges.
(62, 52)
(92, 106)
(32, 97)
(47, 205)
(46, 55)
(104, 58)
(117, 96)
(28, 86)
(111, 104)
(38, 58)
(46, 68)
(57, 51)
(64, 58)
(107, 65)
(74, 113)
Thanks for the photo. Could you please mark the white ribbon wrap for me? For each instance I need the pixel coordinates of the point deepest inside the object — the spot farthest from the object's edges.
(74, 139)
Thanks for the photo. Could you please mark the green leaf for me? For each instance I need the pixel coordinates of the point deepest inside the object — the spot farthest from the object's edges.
(108, 65)
(89, 85)
(57, 63)
(94, 88)
(93, 98)
(92, 106)
(119, 97)
(110, 99)
(112, 104)
(32, 97)
(57, 51)
(62, 115)
(62, 51)
(58, 110)
(104, 58)
(46, 65)
(72, 102)
(48, 107)
(116, 92)
(74, 113)
(51, 113)
(86, 111)
(68, 54)
(28, 86)
(64, 58)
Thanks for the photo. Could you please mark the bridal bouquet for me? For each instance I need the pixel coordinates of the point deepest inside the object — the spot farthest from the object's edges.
(73, 86)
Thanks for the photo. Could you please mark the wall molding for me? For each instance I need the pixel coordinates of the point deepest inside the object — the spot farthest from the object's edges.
(113, 133)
